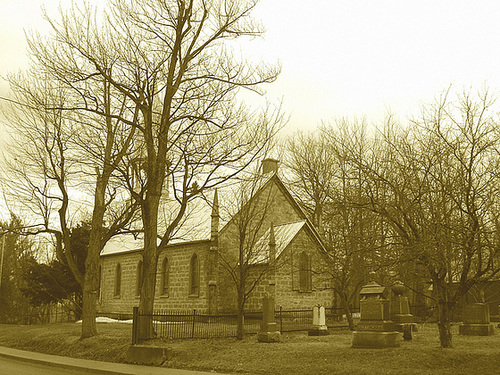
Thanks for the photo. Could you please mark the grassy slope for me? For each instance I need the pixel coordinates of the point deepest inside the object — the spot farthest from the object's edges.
(296, 354)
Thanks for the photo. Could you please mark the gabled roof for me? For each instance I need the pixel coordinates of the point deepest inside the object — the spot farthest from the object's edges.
(196, 222)
(283, 235)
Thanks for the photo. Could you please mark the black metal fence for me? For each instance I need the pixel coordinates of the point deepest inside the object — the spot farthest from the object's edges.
(194, 324)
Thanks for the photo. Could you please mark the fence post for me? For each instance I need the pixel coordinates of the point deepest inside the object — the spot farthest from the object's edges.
(135, 325)
(281, 318)
(194, 318)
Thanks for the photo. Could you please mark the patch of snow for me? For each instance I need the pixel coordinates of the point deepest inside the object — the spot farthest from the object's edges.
(103, 319)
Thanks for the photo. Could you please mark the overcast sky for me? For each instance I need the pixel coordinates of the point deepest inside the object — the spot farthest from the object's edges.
(343, 58)
(340, 58)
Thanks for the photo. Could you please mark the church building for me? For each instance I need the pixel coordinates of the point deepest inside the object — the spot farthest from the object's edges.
(257, 224)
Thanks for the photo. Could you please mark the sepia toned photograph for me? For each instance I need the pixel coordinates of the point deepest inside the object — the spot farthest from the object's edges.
(249, 187)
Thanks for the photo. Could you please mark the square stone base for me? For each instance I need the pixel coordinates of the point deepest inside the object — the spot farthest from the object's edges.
(147, 355)
(369, 339)
(476, 329)
(269, 336)
(318, 332)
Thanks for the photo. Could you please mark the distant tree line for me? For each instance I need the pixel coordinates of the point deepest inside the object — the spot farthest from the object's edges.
(416, 200)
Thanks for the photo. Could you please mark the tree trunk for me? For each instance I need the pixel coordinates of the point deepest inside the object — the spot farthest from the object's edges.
(89, 312)
(445, 310)
(149, 263)
(90, 285)
(347, 310)
(240, 328)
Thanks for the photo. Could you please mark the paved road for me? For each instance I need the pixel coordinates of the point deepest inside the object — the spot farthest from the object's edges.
(21, 362)
(9, 366)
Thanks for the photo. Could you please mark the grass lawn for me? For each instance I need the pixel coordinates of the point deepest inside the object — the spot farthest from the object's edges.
(296, 354)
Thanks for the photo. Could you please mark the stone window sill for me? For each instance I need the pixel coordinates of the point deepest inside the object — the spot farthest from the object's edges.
(305, 290)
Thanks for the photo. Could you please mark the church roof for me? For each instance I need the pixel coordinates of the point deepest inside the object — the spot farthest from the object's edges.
(196, 222)
(283, 235)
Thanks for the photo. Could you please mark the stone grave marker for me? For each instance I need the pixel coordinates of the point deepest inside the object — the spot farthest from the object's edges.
(400, 312)
(476, 320)
(319, 322)
(375, 329)
(268, 327)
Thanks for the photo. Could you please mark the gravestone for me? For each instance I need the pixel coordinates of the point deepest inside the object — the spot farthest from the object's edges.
(319, 322)
(268, 327)
(375, 329)
(400, 312)
(476, 320)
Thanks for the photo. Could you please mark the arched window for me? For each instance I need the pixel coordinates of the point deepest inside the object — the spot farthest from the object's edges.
(118, 280)
(139, 277)
(194, 276)
(304, 272)
(164, 277)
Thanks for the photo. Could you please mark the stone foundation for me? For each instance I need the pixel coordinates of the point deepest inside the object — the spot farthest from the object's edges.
(269, 336)
(147, 355)
(318, 332)
(476, 329)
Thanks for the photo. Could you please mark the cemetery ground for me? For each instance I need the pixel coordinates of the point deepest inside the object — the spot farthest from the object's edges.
(296, 354)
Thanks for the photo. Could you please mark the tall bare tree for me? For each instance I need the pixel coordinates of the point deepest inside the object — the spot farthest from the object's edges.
(70, 136)
(247, 256)
(434, 183)
(330, 190)
(173, 64)
(165, 69)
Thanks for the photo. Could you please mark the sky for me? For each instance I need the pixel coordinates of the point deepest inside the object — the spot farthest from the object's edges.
(356, 58)
(351, 58)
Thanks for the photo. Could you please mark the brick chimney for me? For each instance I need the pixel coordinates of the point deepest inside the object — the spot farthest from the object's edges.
(269, 165)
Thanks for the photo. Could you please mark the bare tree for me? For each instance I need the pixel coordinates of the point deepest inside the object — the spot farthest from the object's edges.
(434, 183)
(247, 256)
(67, 144)
(329, 189)
(167, 70)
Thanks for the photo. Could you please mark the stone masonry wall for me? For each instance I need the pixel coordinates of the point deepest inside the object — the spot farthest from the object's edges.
(178, 298)
(288, 294)
(273, 206)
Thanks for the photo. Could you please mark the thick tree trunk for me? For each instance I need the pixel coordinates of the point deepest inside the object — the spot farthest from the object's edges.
(347, 311)
(150, 261)
(445, 310)
(89, 288)
(90, 285)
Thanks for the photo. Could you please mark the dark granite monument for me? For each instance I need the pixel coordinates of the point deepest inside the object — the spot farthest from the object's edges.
(375, 329)
(476, 320)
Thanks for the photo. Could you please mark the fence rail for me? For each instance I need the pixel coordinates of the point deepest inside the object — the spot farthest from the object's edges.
(193, 324)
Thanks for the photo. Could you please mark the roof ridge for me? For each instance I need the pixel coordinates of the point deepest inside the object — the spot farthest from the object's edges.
(291, 222)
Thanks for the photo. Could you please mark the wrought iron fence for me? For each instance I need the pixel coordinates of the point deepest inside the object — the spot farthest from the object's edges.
(194, 324)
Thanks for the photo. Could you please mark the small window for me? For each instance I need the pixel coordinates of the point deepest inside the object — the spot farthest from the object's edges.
(304, 272)
(164, 277)
(194, 276)
(139, 277)
(118, 280)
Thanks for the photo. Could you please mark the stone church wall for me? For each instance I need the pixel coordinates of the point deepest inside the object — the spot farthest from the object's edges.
(178, 296)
